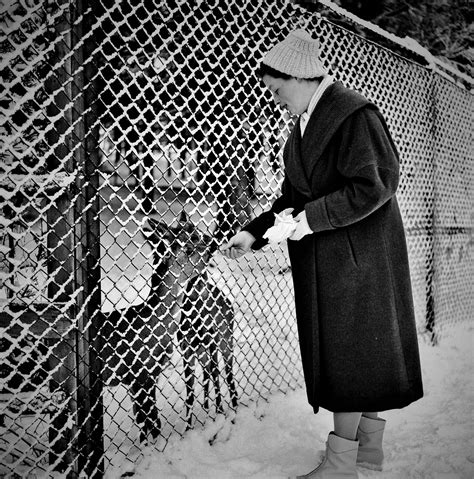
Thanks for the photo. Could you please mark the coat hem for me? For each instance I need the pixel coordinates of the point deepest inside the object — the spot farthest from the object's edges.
(368, 407)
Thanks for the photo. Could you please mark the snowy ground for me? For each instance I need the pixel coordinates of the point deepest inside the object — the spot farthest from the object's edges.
(432, 438)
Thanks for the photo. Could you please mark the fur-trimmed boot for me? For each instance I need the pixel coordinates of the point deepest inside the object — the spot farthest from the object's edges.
(370, 435)
(339, 461)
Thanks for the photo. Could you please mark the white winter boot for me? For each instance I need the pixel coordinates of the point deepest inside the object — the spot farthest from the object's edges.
(339, 461)
(370, 435)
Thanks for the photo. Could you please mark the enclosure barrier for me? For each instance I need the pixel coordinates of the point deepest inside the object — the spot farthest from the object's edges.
(117, 117)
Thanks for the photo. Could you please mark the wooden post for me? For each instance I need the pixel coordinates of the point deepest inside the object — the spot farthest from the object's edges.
(73, 246)
(90, 449)
(90, 384)
(60, 219)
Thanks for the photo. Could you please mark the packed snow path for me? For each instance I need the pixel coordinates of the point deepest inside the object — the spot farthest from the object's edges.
(432, 438)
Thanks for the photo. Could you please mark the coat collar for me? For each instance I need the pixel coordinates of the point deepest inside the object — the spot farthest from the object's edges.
(302, 154)
(293, 162)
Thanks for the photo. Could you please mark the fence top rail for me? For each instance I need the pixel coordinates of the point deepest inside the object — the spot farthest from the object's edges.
(438, 66)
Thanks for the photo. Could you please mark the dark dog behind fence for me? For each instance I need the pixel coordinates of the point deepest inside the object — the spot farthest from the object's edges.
(206, 328)
(137, 342)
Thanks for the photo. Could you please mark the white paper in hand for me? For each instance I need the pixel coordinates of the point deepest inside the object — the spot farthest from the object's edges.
(283, 228)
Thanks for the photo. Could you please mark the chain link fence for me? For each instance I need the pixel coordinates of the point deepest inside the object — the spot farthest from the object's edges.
(135, 139)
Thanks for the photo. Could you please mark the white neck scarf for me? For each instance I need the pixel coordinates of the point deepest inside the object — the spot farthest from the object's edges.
(322, 87)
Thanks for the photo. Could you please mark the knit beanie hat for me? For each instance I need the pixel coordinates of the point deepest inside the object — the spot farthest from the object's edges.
(297, 55)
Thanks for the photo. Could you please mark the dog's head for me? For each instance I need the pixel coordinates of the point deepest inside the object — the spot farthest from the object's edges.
(184, 246)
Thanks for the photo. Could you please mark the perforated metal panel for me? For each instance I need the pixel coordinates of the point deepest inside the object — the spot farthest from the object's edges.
(117, 113)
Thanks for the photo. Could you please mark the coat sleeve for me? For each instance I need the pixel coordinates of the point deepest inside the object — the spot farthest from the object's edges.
(369, 167)
(259, 225)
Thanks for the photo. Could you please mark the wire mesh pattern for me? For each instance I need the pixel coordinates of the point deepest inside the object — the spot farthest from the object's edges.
(135, 139)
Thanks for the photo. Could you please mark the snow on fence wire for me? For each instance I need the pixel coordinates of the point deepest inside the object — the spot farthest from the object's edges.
(120, 115)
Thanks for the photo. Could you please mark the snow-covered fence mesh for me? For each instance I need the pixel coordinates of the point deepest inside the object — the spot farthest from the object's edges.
(115, 112)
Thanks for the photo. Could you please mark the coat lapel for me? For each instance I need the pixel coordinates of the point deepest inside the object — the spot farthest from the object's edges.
(293, 162)
(336, 104)
(302, 154)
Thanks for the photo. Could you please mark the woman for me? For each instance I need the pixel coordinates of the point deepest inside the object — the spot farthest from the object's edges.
(348, 253)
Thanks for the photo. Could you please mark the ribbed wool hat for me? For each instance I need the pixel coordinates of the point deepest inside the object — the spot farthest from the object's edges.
(297, 55)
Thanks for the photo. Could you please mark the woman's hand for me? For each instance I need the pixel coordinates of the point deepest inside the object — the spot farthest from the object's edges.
(238, 245)
(302, 227)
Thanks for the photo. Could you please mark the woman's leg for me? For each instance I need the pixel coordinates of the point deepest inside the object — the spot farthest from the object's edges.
(346, 424)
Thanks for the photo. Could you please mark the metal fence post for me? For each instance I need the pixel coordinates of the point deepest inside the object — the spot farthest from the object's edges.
(430, 319)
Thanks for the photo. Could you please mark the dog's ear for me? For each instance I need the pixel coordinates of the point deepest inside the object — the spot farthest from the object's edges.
(213, 244)
(184, 224)
(183, 218)
(156, 230)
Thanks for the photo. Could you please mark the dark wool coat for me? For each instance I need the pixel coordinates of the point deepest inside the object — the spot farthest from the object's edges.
(353, 295)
